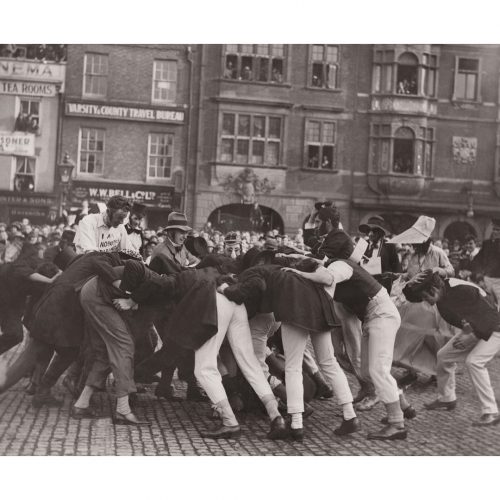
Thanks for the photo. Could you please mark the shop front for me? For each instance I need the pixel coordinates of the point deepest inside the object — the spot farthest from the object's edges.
(159, 200)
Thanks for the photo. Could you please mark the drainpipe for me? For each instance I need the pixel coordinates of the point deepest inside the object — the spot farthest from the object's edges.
(189, 57)
(198, 134)
(60, 114)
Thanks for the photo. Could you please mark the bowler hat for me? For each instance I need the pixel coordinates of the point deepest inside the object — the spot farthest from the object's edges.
(420, 232)
(375, 223)
(68, 235)
(197, 246)
(177, 220)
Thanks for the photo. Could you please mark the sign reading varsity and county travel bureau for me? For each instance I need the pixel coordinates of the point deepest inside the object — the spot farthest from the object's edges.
(17, 143)
(32, 70)
(134, 113)
(161, 196)
(34, 89)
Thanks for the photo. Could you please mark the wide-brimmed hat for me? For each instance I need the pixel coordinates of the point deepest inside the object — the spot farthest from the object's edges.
(420, 232)
(177, 220)
(375, 223)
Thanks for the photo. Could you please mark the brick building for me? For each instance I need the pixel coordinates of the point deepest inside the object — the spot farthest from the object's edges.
(31, 85)
(127, 124)
(396, 130)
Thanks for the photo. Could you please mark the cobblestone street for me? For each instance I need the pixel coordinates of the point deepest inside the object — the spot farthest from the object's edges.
(51, 431)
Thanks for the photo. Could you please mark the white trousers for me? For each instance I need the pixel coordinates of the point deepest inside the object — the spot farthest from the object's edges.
(294, 345)
(262, 326)
(477, 354)
(380, 325)
(233, 320)
(494, 285)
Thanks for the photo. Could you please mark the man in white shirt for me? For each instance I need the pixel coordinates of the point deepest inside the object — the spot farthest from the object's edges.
(104, 232)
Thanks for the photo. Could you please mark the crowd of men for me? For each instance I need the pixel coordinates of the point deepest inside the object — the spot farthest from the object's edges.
(249, 321)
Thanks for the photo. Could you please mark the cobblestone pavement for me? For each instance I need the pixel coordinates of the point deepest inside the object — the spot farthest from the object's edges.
(51, 431)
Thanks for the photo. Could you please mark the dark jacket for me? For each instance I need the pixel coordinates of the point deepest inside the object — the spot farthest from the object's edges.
(465, 302)
(290, 297)
(487, 261)
(58, 316)
(193, 320)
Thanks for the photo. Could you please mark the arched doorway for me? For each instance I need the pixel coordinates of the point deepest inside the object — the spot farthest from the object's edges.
(459, 230)
(238, 216)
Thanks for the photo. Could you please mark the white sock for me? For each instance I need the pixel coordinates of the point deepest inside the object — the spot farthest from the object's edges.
(296, 421)
(84, 399)
(122, 405)
(348, 411)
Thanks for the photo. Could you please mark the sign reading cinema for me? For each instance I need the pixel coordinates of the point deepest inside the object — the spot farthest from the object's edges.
(124, 112)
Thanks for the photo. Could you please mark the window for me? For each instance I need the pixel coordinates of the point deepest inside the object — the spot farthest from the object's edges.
(91, 151)
(24, 179)
(407, 75)
(28, 119)
(164, 81)
(403, 151)
(383, 71)
(161, 152)
(320, 145)
(254, 139)
(95, 78)
(467, 79)
(429, 74)
(260, 63)
(324, 62)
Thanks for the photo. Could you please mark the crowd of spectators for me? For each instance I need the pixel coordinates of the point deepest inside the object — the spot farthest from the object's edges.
(38, 52)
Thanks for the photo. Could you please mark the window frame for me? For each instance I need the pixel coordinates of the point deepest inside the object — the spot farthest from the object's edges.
(477, 98)
(103, 152)
(241, 53)
(320, 144)
(324, 62)
(153, 88)
(18, 107)
(15, 173)
(149, 155)
(236, 137)
(104, 76)
(424, 140)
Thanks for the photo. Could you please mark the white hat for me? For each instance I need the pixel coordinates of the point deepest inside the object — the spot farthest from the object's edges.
(420, 232)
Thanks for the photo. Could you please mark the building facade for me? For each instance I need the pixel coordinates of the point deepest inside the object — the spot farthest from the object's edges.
(394, 130)
(127, 124)
(31, 85)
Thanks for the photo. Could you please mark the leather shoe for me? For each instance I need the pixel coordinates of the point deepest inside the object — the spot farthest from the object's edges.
(70, 384)
(389, 433)
(297, 434)
(409, 413)
(441, 405)
(194, 393)
(46, 399)
(129, 419)
(362, 393)
(407, 380)
(278, 429)
(487, 419)
(348, 427)
(80, 413)
(222, 432)
(166, 393)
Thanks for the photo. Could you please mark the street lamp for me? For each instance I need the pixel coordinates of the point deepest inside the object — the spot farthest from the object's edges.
(65, 169)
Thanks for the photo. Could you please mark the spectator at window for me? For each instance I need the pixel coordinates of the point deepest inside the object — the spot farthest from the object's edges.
(276, 76)
(316, 81)
(41, 52)
(325, 163)
(33, 124)
(314, 161)
(229, 71)
(22, 122)
(246, 73)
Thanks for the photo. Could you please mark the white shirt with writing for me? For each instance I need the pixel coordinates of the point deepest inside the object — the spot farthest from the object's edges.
(93, 235)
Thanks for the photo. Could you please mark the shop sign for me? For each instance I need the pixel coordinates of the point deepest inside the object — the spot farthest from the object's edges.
(33, 89)
(157, 196)
(17, 143)
(32, 70)
(26, 199)
(133, 113)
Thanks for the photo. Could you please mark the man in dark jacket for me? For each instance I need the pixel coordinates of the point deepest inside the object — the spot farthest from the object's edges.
(463, 305)
(487, 261)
